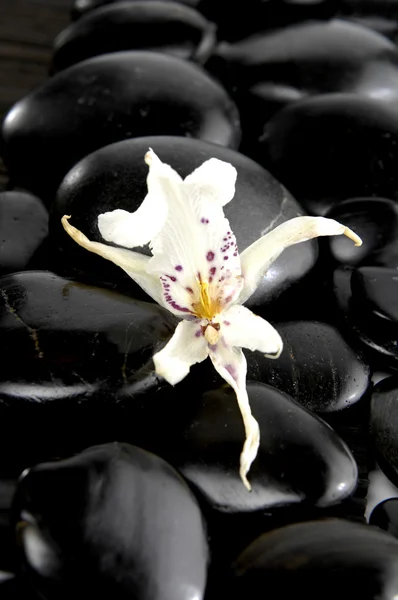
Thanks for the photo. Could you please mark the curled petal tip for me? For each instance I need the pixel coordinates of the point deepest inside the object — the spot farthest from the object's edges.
(353, 236)
(245, 481)
(149, 157)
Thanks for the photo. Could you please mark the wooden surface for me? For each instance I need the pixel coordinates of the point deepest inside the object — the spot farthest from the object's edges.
(27, 31)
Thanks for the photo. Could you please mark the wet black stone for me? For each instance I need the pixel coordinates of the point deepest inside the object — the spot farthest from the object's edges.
(115, 177)
(106, 99)
(385, 516)
(343, 559)
(68, 350)
(23, 228)
(300, 460)
(384, 426)
(159, 25)
(364, 319)
(81, 7)
(317, 367)
(272, 70)
(113, 521)
(333, 147)
(375, 220)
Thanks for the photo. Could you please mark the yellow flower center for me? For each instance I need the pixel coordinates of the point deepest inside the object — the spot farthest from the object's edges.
(206, 307)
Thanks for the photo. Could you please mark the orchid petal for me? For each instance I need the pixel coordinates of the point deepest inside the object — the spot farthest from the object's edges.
(242, 328)
(186, 347)
(195, 254)
(231, 365)
(257, 258)
(133, 263)
(140, 227)
(214, 180)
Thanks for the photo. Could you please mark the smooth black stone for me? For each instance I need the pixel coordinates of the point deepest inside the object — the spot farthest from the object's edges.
(375, 290)
(384, 426)
(388, 8)
(385, 516)
(107, 99)
(324, 149)
(115, 177)
(81, 7)
(272, 70)
(8, 558)
(377, 334)
(317, 367)
(242, 18)
(114, 521)
(375, 220)
(23, 228)
(13, 588)
(300, 459)
(158, 25)
(68, 350)
(330, 559)
(383, 25)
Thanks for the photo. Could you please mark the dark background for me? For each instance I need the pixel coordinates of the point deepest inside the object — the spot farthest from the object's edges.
(27, 31)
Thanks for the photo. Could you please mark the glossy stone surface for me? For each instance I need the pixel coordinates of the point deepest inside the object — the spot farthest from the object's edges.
(106, 99)
(242, 18)
(115, 177)
(376, 7)
(375, 220)
(66, 349)
(81, 7)
(317, 367)
(300, 459)
(343, 558)
(113, 520)
(385, 516)
(323, 149)
(384, 426)
(23, 228)
(376, 289)
(158, 25)
(364, 318)
(270, 70)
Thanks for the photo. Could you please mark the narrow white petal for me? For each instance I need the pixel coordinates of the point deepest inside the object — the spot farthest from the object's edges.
(240, 327)
(231, 365)
(187, 347)
(133, 263)
(257, 258)
(214, 180)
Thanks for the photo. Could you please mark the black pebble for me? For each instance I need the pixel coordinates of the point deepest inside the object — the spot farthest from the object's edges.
(159, 25)
(114, 521)
(106, 99)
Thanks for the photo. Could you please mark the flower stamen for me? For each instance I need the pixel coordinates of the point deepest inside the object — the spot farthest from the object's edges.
(206, 307)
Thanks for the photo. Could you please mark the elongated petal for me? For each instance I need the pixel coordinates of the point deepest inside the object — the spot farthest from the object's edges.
(214, 180)
(242, 328)
(187, 347)
(231, 365)
(140, 227)
(257, 258)
(133, 263)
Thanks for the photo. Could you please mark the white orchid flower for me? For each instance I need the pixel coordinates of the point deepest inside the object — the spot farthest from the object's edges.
(196, 272)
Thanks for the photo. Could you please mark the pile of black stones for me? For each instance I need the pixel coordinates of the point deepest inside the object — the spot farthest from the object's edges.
(114, 483)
